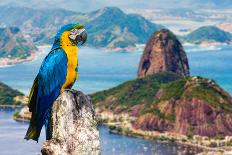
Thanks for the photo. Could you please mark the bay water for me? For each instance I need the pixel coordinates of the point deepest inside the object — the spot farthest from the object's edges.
(100, 70)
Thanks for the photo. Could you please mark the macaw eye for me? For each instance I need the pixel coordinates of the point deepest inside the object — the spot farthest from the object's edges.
(72, 36)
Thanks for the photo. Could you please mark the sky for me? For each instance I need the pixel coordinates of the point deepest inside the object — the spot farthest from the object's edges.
(89, 5)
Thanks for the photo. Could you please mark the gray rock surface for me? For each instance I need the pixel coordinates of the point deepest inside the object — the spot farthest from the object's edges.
(163, 52)
(73, 126)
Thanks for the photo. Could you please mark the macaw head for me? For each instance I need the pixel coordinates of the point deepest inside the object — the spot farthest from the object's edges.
(71, 34)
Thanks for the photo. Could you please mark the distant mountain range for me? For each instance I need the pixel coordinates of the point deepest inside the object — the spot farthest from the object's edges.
(111, 27)
(108, 27)
(208, 34)
(13, 44)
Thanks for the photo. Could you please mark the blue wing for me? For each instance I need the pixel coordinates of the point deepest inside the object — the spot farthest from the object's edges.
(51, 77)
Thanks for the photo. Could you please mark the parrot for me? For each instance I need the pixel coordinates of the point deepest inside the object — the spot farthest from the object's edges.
(58, 72)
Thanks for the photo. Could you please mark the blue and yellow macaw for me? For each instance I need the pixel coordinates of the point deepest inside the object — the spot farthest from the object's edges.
(57, 73)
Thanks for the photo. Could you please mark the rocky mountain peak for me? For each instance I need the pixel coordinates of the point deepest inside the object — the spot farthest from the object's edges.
(163, 52)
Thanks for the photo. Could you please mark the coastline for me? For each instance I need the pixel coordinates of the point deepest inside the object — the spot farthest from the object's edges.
(4, 62)
(24, 116)
(165, 140)
(168, 140)
(207, 44)
(7, 62)
(120, 124)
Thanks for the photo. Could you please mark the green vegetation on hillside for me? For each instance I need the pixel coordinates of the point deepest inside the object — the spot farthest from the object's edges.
(208, 33)
(136, 91)
(7, 95)
(113, 28)
(153, 90)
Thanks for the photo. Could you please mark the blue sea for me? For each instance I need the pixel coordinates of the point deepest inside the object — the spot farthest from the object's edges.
(99, 70)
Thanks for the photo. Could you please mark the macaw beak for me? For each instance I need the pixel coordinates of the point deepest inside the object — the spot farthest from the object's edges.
(82, 37)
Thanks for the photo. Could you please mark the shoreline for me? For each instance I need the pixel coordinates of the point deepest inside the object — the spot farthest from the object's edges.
(123, 128)
(204, 148)
(165, 140)
(7, 62)
(207, 44)
(162, 139)
(187, 144)
(120, 124)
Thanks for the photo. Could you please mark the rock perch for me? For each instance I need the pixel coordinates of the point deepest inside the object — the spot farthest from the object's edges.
(73, 126)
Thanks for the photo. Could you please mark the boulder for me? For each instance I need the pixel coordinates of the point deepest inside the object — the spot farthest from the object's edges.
(73, 126)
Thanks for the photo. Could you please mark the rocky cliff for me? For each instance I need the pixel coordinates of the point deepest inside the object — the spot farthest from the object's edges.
(163, 52)
(73, 126)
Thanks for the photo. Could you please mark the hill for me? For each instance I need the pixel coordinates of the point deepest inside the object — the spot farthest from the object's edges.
(9, 96)
(108, 27)
(111, 27)
(167, 99)
(40, 25)
(165, 102)
(208, 34)
(13, 44)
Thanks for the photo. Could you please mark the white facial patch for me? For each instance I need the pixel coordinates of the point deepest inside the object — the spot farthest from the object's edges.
(75, 32)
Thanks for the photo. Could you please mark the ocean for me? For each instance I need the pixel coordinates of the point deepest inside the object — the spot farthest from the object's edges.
(99, 70)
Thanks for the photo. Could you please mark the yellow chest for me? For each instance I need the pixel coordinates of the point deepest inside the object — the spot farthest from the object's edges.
(71, 52)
